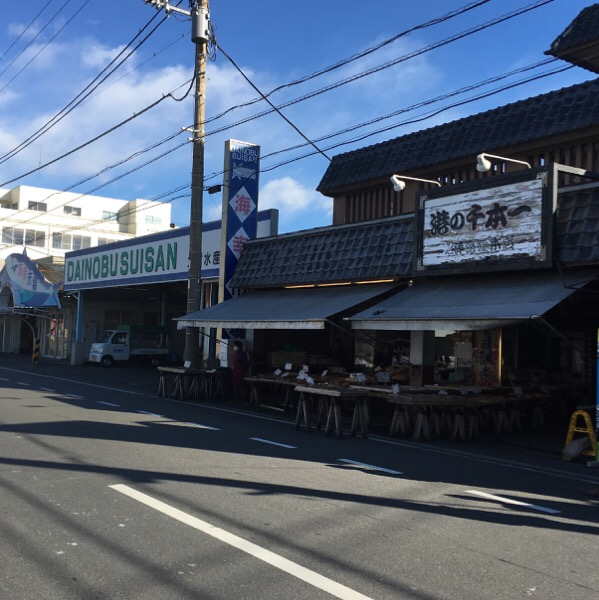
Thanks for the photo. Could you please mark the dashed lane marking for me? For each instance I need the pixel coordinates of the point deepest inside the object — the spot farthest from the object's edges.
(551, 511)
(263, 441)
(201, 426)
(371, 467)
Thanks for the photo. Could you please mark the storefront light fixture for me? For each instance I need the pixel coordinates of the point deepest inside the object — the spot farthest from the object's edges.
(374, 281)
(333, 284)
(399, 184)
(483, 164)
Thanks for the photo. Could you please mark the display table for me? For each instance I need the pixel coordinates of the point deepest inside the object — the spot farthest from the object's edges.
(204, 383)
(287, 383)
(330, 400)
(426, 411)
(178, 388)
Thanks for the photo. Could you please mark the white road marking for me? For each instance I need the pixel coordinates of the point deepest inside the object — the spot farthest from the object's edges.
(23, 383)
(426, 449)
(373, 467)
(272, 443)
(311, 577)
(200, 426)
(107, 403)
(551, 511)
(151, 414)
(47, 390)
(75, 397)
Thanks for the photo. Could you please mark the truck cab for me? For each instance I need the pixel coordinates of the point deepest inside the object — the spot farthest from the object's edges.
(127, 343)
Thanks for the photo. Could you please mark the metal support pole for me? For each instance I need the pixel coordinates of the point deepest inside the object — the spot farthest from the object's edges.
(35, 351)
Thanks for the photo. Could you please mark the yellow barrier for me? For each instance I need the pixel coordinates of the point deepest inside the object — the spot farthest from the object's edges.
(587, 429)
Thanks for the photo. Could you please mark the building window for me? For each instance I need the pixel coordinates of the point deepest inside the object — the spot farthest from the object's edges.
(109, 216)
(66, 241)
(81, 241)
(39, 206)
(102, 241)
(17, 236)
(75, 211)
(35, 238)
(61, 241)
(153, 220)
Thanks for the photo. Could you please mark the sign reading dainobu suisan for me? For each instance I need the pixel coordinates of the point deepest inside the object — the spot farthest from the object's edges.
(498, 223)
(159, 260)
(123, 263)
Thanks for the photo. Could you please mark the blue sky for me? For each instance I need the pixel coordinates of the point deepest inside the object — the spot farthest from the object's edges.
(46, 64)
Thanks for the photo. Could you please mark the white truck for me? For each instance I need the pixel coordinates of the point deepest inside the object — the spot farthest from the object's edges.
(130, 343)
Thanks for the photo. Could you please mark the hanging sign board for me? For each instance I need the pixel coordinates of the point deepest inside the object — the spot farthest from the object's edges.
(240, 207)
(497, 223)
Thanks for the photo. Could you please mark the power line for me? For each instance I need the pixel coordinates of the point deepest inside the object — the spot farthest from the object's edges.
(387, 65)
(322, 90)
(357, 56)
(80, 97)
(89, 142)
(422, 104)
(426, 116)
(105, 170)
(56, 34)
(350, 129)
(35, 37)
(155, 55)
(240, 71)
(25, 30)
(418, 118)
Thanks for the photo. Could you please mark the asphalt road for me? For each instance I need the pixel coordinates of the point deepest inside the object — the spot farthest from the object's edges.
(107, 492)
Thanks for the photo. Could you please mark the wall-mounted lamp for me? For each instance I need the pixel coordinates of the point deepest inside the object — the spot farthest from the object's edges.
(399, 184)
(483, 164)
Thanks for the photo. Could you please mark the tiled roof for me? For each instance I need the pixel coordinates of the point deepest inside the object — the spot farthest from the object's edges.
(583, 29)
(577, 227)
(557, 112)
(51, 271)
(370, 250)
(383, 249)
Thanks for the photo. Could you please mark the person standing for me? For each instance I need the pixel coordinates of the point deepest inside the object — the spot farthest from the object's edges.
(241, 364)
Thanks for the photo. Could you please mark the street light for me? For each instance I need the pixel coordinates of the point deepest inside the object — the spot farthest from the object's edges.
(483, 164)
(399, 184)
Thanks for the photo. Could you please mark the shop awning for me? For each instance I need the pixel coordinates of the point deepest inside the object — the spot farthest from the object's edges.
(469, 303)
(299, 308)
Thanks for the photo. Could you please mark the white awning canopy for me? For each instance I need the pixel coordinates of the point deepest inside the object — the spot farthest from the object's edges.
(470, 303)
(292, 308)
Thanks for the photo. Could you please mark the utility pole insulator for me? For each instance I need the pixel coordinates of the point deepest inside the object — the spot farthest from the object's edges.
(200, 26)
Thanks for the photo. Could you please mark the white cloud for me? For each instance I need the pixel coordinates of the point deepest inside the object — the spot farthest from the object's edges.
(98, 55)
(294, 202)
(18, 29)
(299, 207)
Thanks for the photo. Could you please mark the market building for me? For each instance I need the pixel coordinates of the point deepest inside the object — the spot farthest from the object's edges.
(449, 273)
(38, 227)
(142, 283)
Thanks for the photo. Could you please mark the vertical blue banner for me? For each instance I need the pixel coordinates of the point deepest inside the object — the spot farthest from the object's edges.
(240, 206)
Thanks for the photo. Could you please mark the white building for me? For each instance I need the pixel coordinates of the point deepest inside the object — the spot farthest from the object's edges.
(50, 222)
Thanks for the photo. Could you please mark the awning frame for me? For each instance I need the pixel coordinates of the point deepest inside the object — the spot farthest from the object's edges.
(290, 308)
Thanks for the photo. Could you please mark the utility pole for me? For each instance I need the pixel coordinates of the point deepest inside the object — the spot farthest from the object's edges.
(200, 26)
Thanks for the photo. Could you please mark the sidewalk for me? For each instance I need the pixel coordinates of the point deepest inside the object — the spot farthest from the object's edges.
(144, 379)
